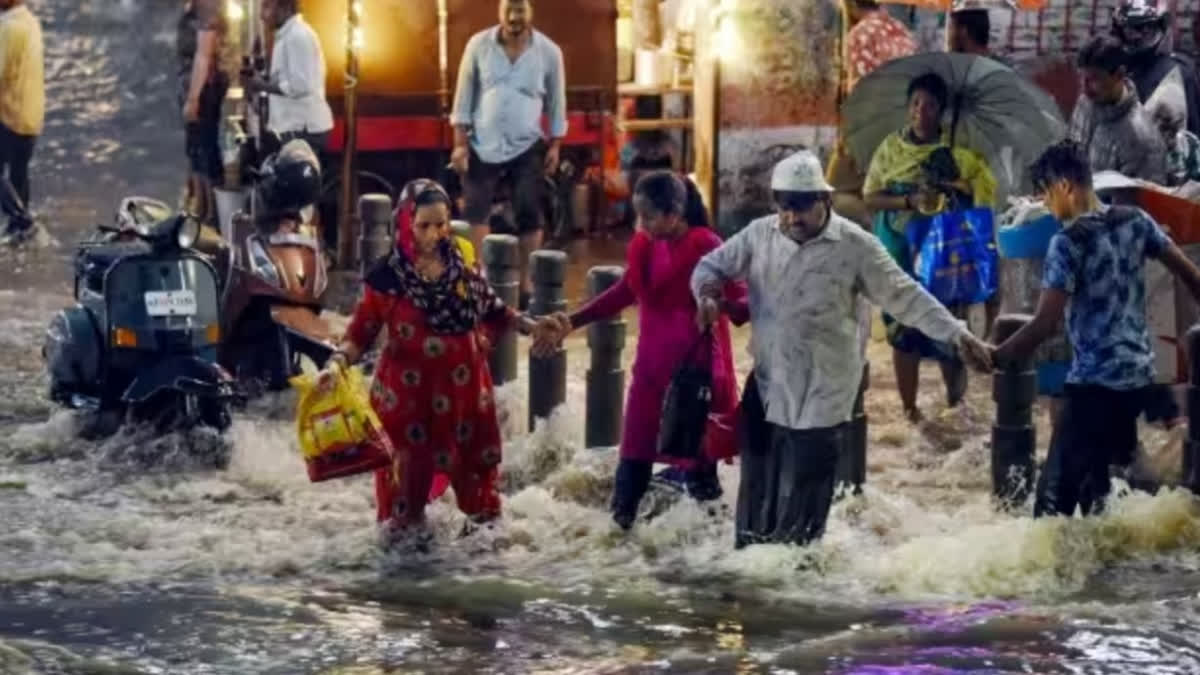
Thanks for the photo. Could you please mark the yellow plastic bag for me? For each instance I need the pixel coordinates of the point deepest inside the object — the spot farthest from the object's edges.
(339, 432)
(467, 249)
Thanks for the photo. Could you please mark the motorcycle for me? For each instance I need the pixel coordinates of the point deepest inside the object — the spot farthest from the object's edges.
(140, 345)
(273, 319)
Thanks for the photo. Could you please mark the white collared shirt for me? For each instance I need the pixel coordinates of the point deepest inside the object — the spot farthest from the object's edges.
(503, 100)
(804, 302)
(298, 68)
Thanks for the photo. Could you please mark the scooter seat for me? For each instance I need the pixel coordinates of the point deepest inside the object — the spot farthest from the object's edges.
(104, 255)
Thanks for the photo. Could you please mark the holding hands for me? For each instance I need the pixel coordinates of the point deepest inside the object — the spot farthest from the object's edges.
(978, 354)
(548, 334)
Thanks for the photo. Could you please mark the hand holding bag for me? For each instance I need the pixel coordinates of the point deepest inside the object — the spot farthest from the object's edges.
(687, 403)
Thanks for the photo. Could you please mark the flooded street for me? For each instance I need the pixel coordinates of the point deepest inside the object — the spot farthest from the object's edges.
(113, 564)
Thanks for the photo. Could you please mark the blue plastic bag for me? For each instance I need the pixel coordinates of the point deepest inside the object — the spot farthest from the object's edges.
(957, 260)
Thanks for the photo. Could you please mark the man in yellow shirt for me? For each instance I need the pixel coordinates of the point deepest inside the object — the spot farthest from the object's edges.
(22, 92)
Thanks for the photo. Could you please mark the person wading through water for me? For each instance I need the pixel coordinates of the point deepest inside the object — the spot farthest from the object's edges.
(808, 269)
(673, 234)
(1094, 274)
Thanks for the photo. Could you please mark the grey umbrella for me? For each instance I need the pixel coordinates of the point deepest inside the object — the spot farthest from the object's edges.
(992, 110)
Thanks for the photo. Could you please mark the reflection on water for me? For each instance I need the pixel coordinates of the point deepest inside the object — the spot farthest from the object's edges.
(181, 569)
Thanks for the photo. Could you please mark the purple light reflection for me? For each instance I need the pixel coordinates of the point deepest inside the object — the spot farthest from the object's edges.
(953, 619)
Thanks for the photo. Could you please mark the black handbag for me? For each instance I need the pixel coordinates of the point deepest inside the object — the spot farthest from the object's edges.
(686, 404)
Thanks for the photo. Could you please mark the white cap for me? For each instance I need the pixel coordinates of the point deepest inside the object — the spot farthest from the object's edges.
(800, 172)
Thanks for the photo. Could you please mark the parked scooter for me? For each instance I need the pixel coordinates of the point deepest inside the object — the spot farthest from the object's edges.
(273, 303)
(140, 345)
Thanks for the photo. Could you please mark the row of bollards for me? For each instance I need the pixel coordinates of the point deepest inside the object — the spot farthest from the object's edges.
(548, 375)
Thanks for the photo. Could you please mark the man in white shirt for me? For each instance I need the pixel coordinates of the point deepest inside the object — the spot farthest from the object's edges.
(510, 76)
(806, 268)
(298, 108)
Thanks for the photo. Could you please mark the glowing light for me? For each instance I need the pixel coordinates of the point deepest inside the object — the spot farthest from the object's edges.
(357, 9)
(358, 38)
(234, 11)
(729, 45)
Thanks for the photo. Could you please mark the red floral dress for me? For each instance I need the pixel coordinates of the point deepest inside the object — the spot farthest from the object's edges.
(434, 395)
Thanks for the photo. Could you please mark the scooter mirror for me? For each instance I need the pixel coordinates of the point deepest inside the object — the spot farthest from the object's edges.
(187, 231)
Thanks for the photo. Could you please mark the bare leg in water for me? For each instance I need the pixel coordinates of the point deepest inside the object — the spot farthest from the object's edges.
(908, 370)
(908, 374)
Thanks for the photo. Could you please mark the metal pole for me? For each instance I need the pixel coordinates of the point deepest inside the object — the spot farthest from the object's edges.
(852, 464)
(375, 214)
(604, 415)
(1014, 389)
(547, 376)
(346, 223)
(501, 259)
(1191, 447)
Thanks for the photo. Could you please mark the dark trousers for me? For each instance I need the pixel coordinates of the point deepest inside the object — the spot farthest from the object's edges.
(787, 480)
(633, 479)
(16, 151)
(1096, 428)
(523, 176)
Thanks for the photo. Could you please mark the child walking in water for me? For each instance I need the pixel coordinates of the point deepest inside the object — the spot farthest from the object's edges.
(673, 234)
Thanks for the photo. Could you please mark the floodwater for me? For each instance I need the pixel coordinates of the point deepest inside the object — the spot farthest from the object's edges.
(132, 556)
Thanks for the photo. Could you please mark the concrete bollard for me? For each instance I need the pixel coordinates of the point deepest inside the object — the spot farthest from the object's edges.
(1014, 389)
(375, 244)
(547, 376)
(852, 464)
(605, 377)
(1191, 447)
(501, 259)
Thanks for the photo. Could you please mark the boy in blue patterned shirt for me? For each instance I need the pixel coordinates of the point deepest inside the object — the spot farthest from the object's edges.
(1094, 272)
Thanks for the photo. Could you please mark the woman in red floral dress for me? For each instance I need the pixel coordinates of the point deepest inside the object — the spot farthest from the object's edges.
(432, 388)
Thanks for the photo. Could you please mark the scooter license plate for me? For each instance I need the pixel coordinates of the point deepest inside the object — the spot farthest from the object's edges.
(171, 303)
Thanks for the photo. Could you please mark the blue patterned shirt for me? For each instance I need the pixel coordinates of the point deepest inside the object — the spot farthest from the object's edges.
(1099, 262)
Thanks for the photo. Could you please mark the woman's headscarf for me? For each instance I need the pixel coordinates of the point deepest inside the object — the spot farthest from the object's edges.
(454, 303)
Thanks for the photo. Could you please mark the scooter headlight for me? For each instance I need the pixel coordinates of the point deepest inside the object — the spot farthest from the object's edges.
(187, 232)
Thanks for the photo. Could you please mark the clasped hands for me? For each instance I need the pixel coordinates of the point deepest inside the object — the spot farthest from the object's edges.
(548, 333)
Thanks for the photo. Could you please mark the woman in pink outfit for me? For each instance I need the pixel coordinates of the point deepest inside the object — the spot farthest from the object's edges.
(673, 234)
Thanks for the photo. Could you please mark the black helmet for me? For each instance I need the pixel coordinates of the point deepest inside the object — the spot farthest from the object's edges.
(1139, 14)
(290, 179)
